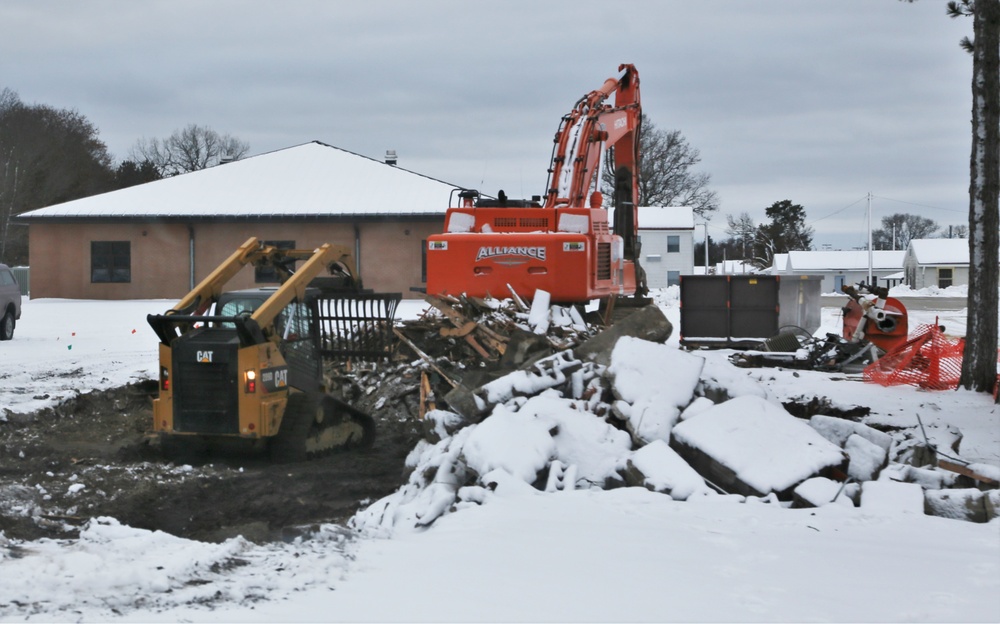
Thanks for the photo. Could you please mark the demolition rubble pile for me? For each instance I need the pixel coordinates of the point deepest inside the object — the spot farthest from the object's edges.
(519, 399)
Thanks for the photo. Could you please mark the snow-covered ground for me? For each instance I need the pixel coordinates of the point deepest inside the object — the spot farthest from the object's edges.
(515, 553)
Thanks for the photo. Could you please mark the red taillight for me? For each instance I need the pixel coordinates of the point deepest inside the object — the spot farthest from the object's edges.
(164, 379)
(251, 381)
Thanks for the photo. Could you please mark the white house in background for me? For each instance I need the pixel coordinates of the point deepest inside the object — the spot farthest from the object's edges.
(841, 267)
(940, 262)
(667, 236)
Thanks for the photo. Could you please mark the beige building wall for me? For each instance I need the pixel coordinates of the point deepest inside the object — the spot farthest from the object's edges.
(391, 254)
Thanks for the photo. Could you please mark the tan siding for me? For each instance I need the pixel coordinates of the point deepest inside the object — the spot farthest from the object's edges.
(60, 254)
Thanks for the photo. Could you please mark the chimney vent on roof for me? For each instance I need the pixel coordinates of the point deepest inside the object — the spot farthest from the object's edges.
(390, 157)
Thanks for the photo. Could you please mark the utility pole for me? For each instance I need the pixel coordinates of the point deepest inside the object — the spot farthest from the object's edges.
(706, 247)
(870, 239)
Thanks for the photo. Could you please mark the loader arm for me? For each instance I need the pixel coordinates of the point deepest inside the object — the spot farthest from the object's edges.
(192, 308)
(293, 287)
(204, 294)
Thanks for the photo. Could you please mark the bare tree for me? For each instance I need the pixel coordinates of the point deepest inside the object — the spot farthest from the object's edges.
(189, 149)
(899, 229)
(665, 175)
(742, 231)
(47, 156)
(957, 231)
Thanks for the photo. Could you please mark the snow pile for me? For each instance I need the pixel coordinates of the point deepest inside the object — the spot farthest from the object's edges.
(904, 290)
(657, 417)
(113, 568)
(546, 441)
(561, 424)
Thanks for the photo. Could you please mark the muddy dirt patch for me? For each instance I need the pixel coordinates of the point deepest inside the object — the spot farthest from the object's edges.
(92, 456)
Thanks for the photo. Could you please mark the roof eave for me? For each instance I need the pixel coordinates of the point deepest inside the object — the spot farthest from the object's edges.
(255, 218)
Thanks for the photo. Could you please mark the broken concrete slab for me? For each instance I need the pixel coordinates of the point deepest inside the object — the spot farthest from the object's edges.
(647, 323)
(892, 497)
(659, 468)
(837, 430)
(753, 447)
(966, 504)
(866, 458)
(656, 381)
(927, 478)
(820, 491)
(991, 501)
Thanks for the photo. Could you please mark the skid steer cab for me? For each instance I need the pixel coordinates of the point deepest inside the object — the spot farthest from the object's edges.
(245, 368)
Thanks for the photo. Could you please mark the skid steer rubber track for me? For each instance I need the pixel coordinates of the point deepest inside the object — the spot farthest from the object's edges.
(339, 425)
(289, 445)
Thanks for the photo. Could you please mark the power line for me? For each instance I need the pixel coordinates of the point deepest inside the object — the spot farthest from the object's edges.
(918, 205)
(839, 210)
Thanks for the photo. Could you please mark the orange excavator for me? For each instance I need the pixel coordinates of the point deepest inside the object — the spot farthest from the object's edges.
(566, 246)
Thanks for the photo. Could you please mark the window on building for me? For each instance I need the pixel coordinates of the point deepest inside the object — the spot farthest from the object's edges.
(673, 278)
(945, 278)
(654, 258)
(267, 275)
(673, 244)
(110, 261)
(423, 261)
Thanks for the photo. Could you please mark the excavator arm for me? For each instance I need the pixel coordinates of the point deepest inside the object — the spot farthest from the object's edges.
(590, 128)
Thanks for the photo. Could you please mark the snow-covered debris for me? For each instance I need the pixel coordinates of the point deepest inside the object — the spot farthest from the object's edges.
(656, 381)
(819, 491)
(892, 497)
(837, 430)
(658, 467)
(439, 424)
(538, 315)
(753, 447)
(697, 406)
(542, 375)
(719, 382)
(508, 453)
(965, 504)
(866, 458)
(519, 443)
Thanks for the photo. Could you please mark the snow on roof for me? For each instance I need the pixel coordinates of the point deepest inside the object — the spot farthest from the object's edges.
(780, 262)
(734, 267)
(844, 260)
(312, 179)
(666, 218)
(940, 250)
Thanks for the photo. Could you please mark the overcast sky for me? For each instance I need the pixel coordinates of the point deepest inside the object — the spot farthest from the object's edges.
(819, 101)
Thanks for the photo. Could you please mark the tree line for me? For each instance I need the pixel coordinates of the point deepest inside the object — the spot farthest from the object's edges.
(787, 230)
(49, 156)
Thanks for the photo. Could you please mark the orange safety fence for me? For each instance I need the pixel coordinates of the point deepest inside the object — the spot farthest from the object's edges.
(928, 360)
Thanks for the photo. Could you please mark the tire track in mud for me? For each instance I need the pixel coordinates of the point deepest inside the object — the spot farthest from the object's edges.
(91, 456)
